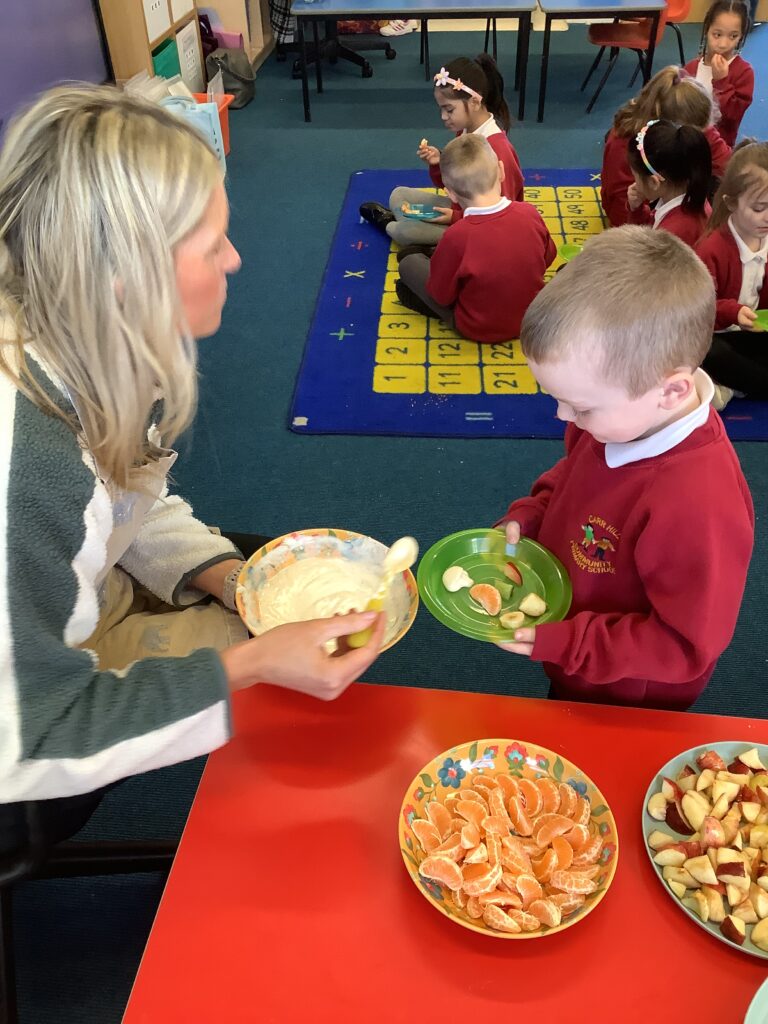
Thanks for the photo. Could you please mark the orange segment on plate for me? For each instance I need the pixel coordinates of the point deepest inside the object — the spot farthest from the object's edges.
(510, 849)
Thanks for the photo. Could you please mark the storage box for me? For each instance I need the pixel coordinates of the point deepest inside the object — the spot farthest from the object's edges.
(165, 59)
(222, 102)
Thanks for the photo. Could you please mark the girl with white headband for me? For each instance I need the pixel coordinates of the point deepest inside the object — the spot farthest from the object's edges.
(470, 95)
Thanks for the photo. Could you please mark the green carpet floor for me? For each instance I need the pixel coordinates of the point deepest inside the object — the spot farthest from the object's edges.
(79, 943)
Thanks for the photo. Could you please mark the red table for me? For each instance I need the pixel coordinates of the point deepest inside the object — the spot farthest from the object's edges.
(289, 902)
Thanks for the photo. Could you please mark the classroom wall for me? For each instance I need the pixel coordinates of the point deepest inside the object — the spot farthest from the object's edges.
(699, 9)
(46, 41)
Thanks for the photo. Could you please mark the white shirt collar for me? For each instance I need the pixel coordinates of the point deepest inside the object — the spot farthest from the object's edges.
(487, 128)
(745, 253)
(668, 437)
(662, 209)
(476, 211)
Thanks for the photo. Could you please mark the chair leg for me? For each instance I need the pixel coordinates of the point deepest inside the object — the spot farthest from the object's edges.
(8, 1009)
(595, 62)
(638, 69)
(611, 61)
(679, 35)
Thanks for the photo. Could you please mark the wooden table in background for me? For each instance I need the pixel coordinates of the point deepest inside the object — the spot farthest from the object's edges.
(289, 902)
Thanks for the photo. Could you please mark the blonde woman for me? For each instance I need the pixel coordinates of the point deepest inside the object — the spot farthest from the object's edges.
(114, 257)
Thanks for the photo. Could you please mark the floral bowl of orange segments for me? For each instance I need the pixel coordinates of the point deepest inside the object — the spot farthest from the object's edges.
(508, 839)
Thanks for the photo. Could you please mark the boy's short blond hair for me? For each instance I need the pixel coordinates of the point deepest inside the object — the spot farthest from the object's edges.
(639, 304)
(468, 165)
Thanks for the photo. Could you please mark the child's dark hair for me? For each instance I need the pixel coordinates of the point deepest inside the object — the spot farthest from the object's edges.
(482, 75)
(737, 7)
(678, 153)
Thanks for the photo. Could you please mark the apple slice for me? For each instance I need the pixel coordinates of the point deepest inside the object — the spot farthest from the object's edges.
(758, 836)
(513, 573)
(720, 807)
(750, 811)
(761, 779)
(751, 758)
(658, 839)
(731, 823)
(657, 807)
(677, 820)
(738, 767)
(728, 856)
(716, 905)
(679, 889)
(760, 935)
(533, 605)
(759, 899)
(712, 832)
(762, 794)
(723, 788)
(746, 911)
(701, 869)
(710, 759)
(671, 790)
(695, 812)
(762, 818)
(670, 856)
(705, 780)
(734, 874)
(679, 875)
(699, 904)
(735, 930)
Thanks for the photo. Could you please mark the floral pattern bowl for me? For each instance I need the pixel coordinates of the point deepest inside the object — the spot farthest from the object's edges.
(453, 770)
(402, 601)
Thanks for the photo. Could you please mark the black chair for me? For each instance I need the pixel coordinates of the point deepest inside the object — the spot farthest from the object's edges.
(331, 49)
(34, 843)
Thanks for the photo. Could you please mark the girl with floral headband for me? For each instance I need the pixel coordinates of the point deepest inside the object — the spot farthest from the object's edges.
(672, 168)
(720, 67)
(671, 94)
(470, 95)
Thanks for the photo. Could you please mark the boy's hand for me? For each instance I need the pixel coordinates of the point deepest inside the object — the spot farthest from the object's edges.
(512, 531)
(719, 67)
(634, 199)
(747, 318)
(429, 154)
(523, 642)
(446, 215)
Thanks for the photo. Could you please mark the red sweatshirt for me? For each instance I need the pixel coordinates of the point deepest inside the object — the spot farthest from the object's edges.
(511, 187)
(617, 177)
(733, 94)
(489, 268)
(686, 224)
(657, 552)
(720, 254)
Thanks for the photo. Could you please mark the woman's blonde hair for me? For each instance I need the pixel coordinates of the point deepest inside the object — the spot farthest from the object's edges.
(672, 95)
(746, 169)
(96, 190)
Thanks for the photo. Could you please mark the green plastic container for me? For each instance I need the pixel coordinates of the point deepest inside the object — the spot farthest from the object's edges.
(482, 553)
(165, 59)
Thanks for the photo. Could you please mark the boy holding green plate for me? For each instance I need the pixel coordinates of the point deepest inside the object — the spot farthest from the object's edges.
(649, 510)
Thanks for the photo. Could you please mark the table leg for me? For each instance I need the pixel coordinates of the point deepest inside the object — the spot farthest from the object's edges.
(524, 43)
(426, 51)
(517, 50)
(648, 62)
(304, 78)
(544, 63)
(318, 56)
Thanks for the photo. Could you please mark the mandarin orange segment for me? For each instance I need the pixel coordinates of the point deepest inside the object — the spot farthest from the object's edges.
(529, 889)
(563, 851)
(578, 837)
(497, 807)
(496, 825)
(583, 811)
(557, 825)
(568, 798)
(470, 835)
(477, 855)
(567, 881)
(546, 911)
(440, 817)
(442, 869)
(474, 909)
(495, 918)
(500, 898)
(480, 878)
(493, 843)
(452, 848)
(550, 795)
(588, 853)
(545, 865)
(513, 853)
(509, 786)
(472, 811)
(532, 798)
(426, 833)
(521, 823)
(460, 898)
(592, 871)
(567, 902)
(527, 922)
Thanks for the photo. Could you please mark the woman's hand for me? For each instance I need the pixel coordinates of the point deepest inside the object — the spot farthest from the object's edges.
(719, 67)
(429, 154)
(747, 318)
(294, 656)
(634, 199)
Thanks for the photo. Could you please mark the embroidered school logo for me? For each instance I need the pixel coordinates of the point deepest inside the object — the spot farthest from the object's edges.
(595, 551)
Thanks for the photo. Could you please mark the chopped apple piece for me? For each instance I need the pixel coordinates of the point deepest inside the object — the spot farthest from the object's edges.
(720, 807)
(679, 889)
(680, 875)
(728, 856)
(699, 904)
(751, 759)
(702, 870)
(759, 899)
(670, 856)
(533, 605)
(746, 911)
(712, 832)
(657, 807)
(762, 795)
(705, 780)
(710, 759)
(694, 811)
(760, 935)
(716, 904)
(731, 823)
(728, 789)
(677, 820)
(750, 811)
(671, 790)
(738, 767)
(658, 839)
(735, 930)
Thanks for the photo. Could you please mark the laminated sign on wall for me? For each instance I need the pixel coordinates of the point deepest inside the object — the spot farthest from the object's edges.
(189, 58)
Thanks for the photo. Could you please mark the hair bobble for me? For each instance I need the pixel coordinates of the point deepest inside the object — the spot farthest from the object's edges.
(640, 140)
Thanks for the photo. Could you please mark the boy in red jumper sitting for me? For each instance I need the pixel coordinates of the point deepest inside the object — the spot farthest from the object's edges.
(488, 266)
(648, 510)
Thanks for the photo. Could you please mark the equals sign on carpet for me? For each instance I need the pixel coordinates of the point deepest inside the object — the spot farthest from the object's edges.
(478, 417)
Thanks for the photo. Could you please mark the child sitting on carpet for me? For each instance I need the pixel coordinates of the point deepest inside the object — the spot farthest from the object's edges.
(720, 68)
(648, 510)
(672, 167)
(470, 95)
(735, 250)
(490, 264)
(673, 95)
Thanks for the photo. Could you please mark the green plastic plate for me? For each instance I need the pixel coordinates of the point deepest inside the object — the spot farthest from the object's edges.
(762, 318)
(728, 750)
(569, 250)
(482, 554)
